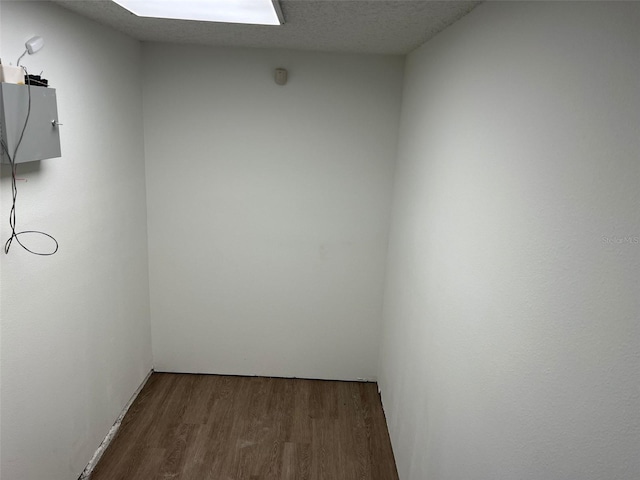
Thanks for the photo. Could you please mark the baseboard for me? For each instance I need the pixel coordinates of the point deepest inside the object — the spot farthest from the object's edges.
(86, 473)
(264, 375)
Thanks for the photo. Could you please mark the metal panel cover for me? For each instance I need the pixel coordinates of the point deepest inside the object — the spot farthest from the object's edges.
(42, 138)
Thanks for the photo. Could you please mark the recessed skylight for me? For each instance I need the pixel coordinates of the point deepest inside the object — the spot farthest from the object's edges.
(259, 12)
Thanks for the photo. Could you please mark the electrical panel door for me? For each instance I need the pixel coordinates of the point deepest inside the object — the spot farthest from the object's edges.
(41, 138)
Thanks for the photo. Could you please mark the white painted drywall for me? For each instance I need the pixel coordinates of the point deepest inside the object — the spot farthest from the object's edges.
(75, 326)
(511, 346)
(268, 208)
(1, 210)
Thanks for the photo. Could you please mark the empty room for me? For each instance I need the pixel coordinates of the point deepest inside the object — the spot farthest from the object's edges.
(327, 240)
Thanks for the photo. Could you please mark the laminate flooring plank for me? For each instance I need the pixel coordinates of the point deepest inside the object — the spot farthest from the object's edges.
(175, 458)
(215, 448)
(234, 456)
(302, 461)
(208, 427)
(301, 425)
(196, 453)
(217, 434)
(288, 468)
(199, 407)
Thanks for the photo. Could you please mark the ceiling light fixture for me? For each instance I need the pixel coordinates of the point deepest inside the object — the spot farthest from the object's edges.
(257, 12)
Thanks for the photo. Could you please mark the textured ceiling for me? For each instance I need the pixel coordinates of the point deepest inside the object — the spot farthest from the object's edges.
(363, 26)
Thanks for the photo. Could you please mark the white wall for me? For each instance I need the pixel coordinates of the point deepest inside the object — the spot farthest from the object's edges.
(1, 210)
(268, 208)
(511, 345)
(75, 326)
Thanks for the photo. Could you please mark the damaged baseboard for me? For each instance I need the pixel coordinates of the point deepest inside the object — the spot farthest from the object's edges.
(86, 473)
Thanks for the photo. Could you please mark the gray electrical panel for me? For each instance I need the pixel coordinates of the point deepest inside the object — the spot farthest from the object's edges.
(41, 138)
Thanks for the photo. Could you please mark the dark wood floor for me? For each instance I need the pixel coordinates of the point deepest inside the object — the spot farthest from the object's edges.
(209, 427)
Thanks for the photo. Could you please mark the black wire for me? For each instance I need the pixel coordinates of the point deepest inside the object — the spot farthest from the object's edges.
(14, 190)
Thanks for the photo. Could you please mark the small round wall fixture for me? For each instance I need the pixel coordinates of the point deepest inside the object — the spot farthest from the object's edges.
(281, 76)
